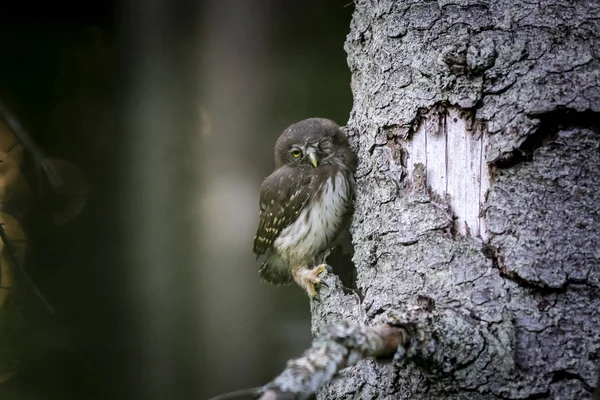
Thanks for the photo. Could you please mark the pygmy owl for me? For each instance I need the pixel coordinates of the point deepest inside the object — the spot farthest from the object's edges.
(305, 203)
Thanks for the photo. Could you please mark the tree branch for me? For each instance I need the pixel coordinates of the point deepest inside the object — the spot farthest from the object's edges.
(396, 336)
(441, 341)
(30, 145)
(15, 260)
(340, 346)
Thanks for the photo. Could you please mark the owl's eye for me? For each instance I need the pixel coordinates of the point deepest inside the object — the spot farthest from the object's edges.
(296, 153)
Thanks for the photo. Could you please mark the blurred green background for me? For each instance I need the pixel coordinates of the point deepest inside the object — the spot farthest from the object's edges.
(171, 111)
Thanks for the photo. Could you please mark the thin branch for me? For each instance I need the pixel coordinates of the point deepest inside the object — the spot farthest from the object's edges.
(406, 334)
(30, 145)
(13, 256)
(440, 340)
(339, 346)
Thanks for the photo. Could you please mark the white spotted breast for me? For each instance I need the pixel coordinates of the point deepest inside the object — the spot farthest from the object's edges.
(319, 222)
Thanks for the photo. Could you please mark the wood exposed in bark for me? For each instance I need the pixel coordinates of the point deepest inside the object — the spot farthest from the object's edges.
(452, 149)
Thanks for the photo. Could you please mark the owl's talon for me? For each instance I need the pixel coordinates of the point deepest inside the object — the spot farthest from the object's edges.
(311, 290)
(323, 283)
(309, 279)
(322, 268)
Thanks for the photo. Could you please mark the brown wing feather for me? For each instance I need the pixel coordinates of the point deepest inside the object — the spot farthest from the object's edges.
(283, 195)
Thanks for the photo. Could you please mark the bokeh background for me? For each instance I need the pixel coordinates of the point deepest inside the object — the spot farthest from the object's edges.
(170, 110)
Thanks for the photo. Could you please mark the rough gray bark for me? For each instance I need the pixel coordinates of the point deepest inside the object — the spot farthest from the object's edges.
(511, 91)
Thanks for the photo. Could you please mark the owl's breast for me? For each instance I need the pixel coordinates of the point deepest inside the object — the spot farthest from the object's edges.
(319, 223)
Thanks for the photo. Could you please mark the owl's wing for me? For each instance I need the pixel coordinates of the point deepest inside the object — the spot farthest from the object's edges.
(283, 195)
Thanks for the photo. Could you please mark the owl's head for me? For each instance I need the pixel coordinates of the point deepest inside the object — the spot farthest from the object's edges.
(314, 142)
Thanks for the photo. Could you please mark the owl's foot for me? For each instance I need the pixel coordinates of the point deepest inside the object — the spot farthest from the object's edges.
(309, 279)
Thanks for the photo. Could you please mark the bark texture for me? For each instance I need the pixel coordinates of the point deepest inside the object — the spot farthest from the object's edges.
(490, 106)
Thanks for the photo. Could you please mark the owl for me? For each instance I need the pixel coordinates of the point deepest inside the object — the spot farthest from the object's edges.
(305, 203)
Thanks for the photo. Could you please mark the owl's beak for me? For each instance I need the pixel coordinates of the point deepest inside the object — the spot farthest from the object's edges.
(312, 156)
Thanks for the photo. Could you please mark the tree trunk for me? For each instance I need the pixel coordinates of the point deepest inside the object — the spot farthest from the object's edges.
(476, 125)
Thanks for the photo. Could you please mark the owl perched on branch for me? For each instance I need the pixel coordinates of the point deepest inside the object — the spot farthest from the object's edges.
(305, 203)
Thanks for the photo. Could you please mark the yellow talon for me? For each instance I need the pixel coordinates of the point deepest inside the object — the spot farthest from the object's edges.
(320, 269)
(309, 278)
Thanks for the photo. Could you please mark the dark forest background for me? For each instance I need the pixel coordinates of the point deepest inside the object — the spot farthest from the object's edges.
(66, 72)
